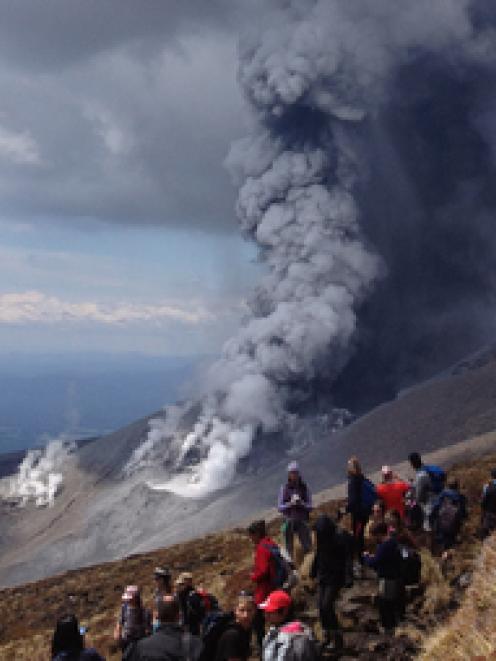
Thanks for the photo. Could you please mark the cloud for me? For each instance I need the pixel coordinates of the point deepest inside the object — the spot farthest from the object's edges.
(36, 307)
(19, 148)
(132, 110)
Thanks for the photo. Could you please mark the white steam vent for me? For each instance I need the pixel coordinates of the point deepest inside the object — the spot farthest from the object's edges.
(40, 475)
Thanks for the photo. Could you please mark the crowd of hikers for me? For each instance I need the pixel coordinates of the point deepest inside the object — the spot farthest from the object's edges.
(389, 522)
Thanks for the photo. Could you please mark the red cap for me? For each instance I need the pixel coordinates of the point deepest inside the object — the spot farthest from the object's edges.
(275, 601)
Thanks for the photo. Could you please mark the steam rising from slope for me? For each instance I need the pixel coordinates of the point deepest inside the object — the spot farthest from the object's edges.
(335, 195)
(40, 476)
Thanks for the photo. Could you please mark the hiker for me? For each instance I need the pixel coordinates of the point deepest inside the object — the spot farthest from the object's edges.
(376, 516)
(329, 569)
(414, 514)
(348, 542)
(262, 574)
(295, 504)
(387, 562)
(428, 484)
(411, 560)
(488, 506)
(286, 640)
(190, 603)
(68, 642)
(448, 513)
(392, 491)
(361, 497)
(163, 583)
(134, 623)
(170, 641)
(234, 641)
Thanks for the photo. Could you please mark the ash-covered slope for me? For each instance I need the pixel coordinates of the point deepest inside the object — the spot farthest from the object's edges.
(101, 514)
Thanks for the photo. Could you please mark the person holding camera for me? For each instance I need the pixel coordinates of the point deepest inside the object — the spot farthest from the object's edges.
(295, 504)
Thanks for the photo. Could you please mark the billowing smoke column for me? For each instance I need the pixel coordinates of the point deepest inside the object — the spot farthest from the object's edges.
(374, 141)
(40, 477)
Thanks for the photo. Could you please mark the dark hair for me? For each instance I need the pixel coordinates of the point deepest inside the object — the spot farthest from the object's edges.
(415, 459)
(168, 610)
(454, 485)
(379, 530)
(381, 504)
(67, 637)
(257, 528)
(493, 473)
(392, 518)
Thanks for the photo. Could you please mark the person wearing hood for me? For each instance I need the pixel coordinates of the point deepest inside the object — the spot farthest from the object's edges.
(329, 570)
(295, 504)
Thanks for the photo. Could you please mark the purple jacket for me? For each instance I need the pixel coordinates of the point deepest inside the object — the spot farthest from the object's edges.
(299, 512)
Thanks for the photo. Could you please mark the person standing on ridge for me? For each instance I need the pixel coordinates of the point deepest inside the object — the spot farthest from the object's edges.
(329, 569)
(361, 498)
(262, 573)
(428, 484)
(295, 504)
(392, 491)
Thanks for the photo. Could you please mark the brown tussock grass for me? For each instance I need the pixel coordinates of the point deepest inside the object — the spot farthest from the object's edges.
(470, 633)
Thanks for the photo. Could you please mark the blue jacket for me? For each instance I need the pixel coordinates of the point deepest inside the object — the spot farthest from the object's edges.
(387, 562)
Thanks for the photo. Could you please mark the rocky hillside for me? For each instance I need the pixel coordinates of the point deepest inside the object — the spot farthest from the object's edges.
(221, 563)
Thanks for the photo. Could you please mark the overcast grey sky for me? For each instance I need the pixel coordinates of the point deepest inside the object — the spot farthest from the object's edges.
(116, 211)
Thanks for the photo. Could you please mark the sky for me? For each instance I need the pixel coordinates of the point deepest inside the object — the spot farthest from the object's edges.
(117, 214)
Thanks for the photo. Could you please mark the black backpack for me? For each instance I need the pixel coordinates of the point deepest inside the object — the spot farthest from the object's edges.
(449, 516)
(214, 625)
(411, 566)
(489, 498)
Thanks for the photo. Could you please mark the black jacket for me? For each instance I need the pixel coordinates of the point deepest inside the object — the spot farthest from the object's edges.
(169, 643)
(329, 564)
(355, 497)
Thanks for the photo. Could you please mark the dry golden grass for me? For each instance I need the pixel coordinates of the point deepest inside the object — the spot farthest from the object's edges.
(470, 633)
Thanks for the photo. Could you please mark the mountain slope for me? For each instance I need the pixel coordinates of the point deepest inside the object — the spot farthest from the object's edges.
(101, 516)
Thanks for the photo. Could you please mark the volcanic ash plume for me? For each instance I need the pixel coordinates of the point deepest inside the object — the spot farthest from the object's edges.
(40, 477)
(315, 196)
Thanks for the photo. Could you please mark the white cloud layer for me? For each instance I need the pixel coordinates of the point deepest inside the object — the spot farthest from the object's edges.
(36, 307)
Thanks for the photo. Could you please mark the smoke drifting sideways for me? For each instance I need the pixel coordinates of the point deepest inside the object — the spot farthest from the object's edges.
(367, 186)
(40, 475)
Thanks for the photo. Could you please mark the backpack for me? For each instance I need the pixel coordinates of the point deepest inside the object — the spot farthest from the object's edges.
(489, 498)
(437, 477)
(280, 567)
(411, 566)
(302, 645)
(369, 494)
(209, 601)
(134, 624)
(414, 516)
(448, 517)
(214, 625)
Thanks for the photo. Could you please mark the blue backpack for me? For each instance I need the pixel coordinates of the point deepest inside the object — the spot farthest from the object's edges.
(280, 568)
(369, 494)
(437, 477)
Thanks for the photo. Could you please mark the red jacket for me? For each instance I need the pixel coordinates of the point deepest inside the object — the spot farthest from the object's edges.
(262, 574)
(393, 493)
